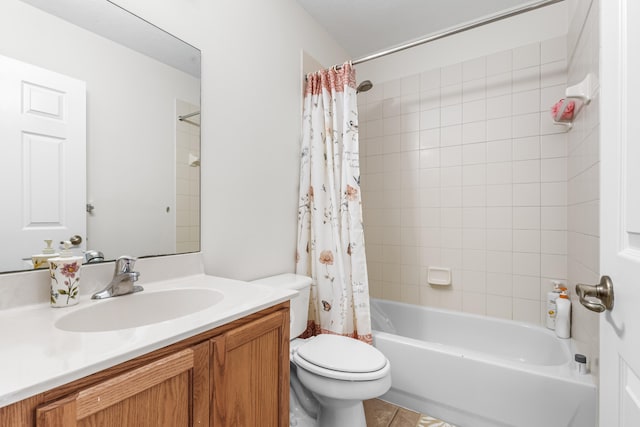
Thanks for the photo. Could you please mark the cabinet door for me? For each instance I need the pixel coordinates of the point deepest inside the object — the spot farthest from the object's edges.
(171, 392)
(250, 374)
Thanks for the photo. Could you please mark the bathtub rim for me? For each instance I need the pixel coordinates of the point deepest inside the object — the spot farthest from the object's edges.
(567, 370)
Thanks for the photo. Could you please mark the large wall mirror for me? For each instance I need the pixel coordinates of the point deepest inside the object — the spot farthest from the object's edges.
(99, 134)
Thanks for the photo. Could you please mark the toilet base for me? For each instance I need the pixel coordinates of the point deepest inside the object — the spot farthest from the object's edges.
(339, 413)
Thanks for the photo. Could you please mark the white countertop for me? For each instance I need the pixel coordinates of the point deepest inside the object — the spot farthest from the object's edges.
(35, 356)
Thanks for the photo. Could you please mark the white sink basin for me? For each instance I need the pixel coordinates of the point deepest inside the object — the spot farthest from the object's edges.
(139, 309)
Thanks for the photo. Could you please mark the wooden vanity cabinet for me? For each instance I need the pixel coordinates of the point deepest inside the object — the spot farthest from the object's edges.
(161, 393)
(234, 375)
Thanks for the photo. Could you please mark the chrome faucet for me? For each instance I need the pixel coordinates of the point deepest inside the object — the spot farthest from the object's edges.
(123, 279)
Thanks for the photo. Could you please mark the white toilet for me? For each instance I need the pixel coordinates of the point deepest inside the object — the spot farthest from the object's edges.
(340, 372)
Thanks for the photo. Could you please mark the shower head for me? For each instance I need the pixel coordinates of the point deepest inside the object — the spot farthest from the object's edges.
(364, 86)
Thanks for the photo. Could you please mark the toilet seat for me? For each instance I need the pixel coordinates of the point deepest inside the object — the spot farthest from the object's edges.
(341, 358)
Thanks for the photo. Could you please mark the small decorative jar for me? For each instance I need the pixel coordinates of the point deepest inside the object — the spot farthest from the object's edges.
(65, 278)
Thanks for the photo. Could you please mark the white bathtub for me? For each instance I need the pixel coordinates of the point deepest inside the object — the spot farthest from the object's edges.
(476, 371)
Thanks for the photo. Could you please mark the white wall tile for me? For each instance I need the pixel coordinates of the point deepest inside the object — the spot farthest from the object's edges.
(462, 168)
(500, 239)
(451, 75)
(450, 156)
(500, 195)
(474, 153)
(451, 115)
(499, 261)
(451, 135)
(410, 103)
(474, 132)
(451, 176)
(526, 264)
(527, 79)
(474, 69)
(499, 217)
(499, 173)
(392, 125)
(553, 265)
(526, 148)
(526, 56)
(526, 218)
(553, 73)
(554, 49)
(526, 102)
(499, 106)
(430, 80)
(451, 238)
(410, 141)
(499, 84)
(527, 287)
(498, 129)
(499, 306)
(526, 240)
(553, 218)
(391, 89)
(451, 217)
(554, 194)
(499, 284)
(472, 259)
(474, 111)
(392, 107)
(451, 95)
(474, 303)
(410, 85)
(474, 196)
(430, 119)
(553, 242)
(474, 90)
(526, 194)
(526, 171)
(410, 122)
(499, 151)
(553, 170)
(525, 125)
(430, 99)
(525, 310)
(499, 63)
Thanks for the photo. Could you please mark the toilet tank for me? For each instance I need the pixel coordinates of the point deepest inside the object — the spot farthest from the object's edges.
(299, 304)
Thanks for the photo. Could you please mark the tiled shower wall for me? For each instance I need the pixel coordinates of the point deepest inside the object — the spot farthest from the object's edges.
(187, 179)
(583, 185)
(462, 168)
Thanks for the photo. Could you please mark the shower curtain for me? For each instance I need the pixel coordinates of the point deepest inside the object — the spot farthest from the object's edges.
(330, 235)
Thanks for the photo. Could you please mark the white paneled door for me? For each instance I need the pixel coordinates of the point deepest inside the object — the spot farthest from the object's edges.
(42, 160)
(620, 211)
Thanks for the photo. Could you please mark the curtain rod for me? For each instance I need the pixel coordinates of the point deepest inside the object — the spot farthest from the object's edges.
(186, 116)
(455, 30)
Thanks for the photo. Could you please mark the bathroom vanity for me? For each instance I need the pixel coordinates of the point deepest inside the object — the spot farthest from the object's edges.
(223, 365)
(236, 374)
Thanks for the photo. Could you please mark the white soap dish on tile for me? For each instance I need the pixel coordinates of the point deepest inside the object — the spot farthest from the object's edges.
(439, 276)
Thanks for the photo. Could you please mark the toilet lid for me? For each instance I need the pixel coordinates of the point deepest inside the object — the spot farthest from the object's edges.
(342, 354)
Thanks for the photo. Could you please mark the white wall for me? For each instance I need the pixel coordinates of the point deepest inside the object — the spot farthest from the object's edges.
(463, 169)
(251, 93)
(126, 94)
(583, 177)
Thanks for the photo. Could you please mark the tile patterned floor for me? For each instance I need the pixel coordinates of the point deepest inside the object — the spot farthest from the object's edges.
(383, 414)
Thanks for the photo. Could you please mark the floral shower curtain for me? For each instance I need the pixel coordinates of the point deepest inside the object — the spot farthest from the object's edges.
(330, 234)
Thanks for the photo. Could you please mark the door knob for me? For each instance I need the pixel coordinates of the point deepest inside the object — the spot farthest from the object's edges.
(602, 291)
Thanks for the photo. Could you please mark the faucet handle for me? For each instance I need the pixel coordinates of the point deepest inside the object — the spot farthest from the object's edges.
(124, 264)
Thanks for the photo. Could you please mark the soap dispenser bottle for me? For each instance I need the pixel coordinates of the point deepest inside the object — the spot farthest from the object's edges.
(42, 260)
(563, 316)
(65, 277)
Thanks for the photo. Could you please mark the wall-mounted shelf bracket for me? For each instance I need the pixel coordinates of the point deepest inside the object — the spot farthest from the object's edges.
(576, 97)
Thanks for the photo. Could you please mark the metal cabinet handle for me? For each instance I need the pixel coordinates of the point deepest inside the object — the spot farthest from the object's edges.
(602, 291)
